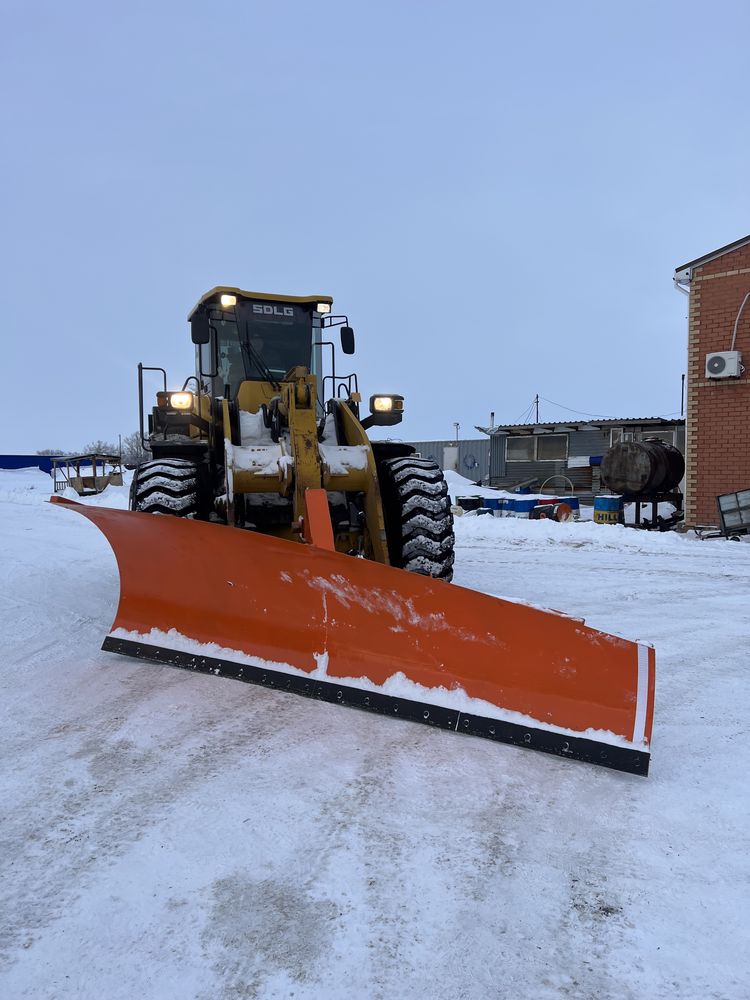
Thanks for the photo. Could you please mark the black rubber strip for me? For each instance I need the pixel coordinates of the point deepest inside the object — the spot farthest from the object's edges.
(573, 747)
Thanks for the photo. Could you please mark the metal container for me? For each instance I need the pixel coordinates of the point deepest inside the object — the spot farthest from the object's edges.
(469, 503)
(608, 510)
(555, 511)
(642, 468)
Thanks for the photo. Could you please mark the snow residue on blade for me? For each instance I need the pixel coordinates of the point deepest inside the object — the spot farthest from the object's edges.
(178, 642)
(321, 670)
(397, 685)
(389, 602)
(402, 609)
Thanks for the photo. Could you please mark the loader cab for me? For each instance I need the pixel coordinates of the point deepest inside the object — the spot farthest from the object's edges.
(250, 336)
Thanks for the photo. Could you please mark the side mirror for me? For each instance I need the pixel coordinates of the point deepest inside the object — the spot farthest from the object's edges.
(200, 330)
(347, 340)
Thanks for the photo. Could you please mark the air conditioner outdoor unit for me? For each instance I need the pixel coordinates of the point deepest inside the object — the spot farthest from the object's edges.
(724, 364)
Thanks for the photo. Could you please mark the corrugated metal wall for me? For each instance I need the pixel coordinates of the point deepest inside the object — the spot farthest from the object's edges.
(497, 455)
(587, 442)
(519, 473)
(507, 475)
(473, 456)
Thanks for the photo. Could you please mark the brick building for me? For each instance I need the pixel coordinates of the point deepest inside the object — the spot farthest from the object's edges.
(718, 408)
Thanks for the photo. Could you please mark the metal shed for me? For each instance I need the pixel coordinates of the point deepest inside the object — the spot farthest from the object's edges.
(470, 459)
(551, 453)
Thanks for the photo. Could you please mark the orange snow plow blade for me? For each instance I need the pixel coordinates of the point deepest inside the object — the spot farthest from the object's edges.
(306, 619)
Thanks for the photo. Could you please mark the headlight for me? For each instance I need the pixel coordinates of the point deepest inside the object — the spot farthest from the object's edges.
(323, 307)
(227, 301)
(386, 404)
(181, 400)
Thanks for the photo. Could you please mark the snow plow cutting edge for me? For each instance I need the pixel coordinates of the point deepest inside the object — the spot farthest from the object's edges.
(306, 619)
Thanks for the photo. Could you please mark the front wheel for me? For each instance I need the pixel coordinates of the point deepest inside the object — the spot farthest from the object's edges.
(418, 518)
(168, 486)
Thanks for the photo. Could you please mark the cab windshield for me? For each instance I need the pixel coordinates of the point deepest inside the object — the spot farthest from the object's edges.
(261, 341)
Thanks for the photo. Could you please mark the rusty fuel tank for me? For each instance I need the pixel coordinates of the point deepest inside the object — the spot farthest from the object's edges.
(642, 468)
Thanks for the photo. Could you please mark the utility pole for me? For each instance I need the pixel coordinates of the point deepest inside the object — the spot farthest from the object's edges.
(536, 403)
(682, 397)
(456, 425)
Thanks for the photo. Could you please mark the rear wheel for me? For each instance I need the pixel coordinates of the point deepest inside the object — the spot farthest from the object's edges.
(418, 519)
(168, 486)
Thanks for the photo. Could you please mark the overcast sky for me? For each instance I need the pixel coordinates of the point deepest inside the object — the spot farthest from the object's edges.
(496, 193)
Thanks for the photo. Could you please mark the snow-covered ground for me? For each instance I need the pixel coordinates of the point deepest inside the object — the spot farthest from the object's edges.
(172, 835)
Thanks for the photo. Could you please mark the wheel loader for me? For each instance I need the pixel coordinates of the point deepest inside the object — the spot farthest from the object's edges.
(249, 434)
(270, 540)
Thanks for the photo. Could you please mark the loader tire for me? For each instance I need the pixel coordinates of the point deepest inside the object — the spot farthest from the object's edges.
(418, 518)
(168, 486)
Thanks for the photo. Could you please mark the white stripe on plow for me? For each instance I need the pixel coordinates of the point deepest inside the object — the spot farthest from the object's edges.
(639, 727)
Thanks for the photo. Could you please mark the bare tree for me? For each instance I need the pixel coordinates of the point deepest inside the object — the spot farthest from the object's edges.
(52, 451)
(133, 451)
(100, 448)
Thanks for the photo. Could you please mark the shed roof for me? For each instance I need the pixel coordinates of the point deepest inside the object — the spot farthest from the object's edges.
(682, 273)
(562, 427)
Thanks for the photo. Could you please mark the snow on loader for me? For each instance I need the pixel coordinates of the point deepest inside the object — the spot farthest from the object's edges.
(283, 561)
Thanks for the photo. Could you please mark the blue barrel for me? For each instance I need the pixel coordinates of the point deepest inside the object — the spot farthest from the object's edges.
(608, 510)
(608, 503)
(524, 505)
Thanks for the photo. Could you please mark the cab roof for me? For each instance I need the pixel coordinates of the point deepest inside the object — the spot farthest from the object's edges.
(256, 296)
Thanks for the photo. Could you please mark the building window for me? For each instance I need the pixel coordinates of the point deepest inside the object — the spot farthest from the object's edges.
(519, 449)
(540, 448)
(664, 434)
(618, 434)
(552, 448)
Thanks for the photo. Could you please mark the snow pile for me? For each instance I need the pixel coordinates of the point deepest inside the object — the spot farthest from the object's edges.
(580, 534)
(32, 486)
(25, 486)
(521, 531)
(458, 486)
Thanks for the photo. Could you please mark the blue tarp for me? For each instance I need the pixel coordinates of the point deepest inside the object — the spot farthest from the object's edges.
(43, 462)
